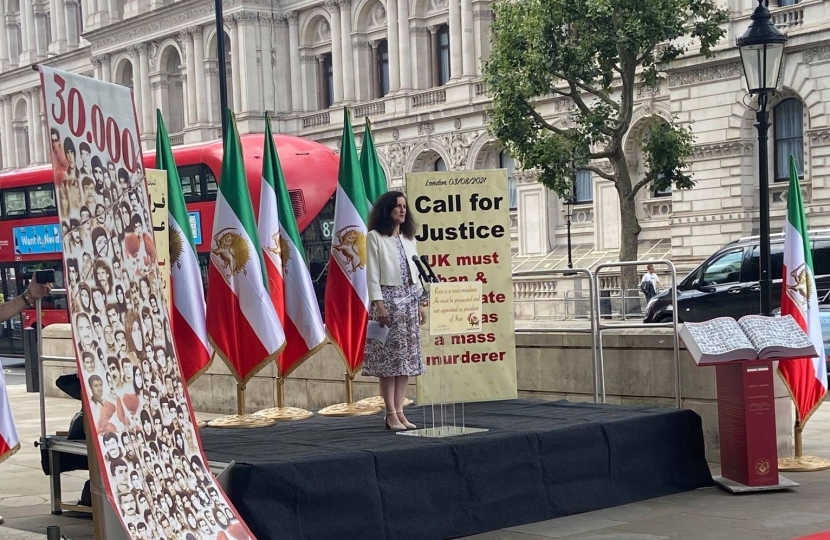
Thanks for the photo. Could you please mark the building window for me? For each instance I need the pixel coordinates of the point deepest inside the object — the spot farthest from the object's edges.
(506, 162)
(584, 188)
(383, 68)
(661, 192)
(439, 165)
(443, 54)
(328, 80)
(788, 126)
(783, 3)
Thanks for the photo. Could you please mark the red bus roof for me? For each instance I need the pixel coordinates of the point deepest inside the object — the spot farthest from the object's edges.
(308, 166)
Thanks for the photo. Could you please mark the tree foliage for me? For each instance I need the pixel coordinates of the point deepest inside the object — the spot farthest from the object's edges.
(597, 53)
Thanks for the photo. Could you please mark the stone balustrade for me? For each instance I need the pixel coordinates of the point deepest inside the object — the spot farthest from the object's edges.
(316, 120)
(428, 99)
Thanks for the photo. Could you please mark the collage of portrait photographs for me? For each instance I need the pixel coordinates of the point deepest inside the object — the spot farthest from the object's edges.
(160, 483)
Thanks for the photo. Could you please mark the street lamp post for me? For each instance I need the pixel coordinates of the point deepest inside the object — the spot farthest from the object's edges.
(762, 51)
(569, 204)
(220, 54)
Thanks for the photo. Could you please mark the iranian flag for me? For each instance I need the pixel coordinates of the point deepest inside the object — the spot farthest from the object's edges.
(347, 294)
(290, 283)
(374, 179)
(241, 321)
(187, 313)
(806, 378)
(9, 441)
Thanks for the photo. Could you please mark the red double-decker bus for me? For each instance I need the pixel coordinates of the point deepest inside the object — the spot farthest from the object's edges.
(30, 233)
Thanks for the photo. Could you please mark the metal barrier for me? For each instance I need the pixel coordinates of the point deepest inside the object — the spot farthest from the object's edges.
(600, 326)
(593, 316)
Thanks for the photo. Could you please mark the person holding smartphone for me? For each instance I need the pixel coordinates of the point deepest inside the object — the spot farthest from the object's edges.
(34, 292)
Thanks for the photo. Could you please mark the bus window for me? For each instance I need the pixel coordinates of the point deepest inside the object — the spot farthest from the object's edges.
(14, 204)
(211, 187)
(42, 201)
(191, 182)
(317, 243)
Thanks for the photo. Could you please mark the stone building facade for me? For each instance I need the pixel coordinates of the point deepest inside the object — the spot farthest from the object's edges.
(415, 69)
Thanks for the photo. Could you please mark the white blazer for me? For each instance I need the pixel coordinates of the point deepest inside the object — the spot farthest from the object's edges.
(383, 266)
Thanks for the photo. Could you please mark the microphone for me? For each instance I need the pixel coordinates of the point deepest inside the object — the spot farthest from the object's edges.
(432, 276)
(421, 272)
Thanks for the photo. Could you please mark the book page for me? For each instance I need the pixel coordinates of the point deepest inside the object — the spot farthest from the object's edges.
(782, 332)
(718, 336)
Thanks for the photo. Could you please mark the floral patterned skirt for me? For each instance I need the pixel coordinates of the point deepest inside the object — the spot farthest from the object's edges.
(401, 355)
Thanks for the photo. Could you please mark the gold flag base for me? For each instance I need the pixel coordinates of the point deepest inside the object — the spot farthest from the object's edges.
(349, 409)
(241, 421)
(803, 464)
(377, 401)
(285, 414)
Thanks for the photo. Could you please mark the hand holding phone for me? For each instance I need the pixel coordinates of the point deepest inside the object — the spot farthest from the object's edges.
(45, 276)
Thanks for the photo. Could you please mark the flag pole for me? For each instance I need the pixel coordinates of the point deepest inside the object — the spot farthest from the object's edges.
(240, 399)
(281, 413)
(798, 442)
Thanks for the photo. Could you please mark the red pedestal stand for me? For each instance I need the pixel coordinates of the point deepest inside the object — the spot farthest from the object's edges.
(746, 417)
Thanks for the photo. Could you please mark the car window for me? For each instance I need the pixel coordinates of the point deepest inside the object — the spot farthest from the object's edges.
(752, 269)
(821, 257)
(723, 269)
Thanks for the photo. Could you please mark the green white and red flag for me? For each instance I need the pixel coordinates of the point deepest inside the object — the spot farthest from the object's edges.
(9, 440)
(374, 179)
(242, 323)
(805, 378)
(187, 313)
(347, 293)
(291, 289)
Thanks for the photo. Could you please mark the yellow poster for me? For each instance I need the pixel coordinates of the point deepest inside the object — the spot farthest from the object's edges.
(157, 187)
(463, 227)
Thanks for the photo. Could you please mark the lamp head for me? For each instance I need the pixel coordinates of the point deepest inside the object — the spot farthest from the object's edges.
(762, 50)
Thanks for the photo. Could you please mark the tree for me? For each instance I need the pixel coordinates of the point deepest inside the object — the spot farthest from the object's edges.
(595, 53)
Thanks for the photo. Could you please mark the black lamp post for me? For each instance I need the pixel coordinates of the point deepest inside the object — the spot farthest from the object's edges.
(569, 205)
(762, 50)
(220, 54)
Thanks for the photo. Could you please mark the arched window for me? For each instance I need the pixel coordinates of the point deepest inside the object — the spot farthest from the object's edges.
(439, 165)
(507, 162)
(788, 137)
(443, 54)
(584, 188)
(383, 68)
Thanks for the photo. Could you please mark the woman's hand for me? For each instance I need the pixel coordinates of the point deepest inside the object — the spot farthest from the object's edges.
(381, 314)
(422, 315)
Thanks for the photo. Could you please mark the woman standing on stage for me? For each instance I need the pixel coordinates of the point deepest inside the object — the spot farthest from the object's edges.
(394, 293)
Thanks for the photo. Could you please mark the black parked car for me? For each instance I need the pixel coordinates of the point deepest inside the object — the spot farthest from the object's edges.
(726, 285)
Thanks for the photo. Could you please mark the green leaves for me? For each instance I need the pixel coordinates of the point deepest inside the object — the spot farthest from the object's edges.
(596, 53)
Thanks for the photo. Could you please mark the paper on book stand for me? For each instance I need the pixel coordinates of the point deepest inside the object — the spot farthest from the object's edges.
(753, 337)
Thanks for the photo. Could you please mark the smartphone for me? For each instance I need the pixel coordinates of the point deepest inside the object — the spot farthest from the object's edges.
(45, 276)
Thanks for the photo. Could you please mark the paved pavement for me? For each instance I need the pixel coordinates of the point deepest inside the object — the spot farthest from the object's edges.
(705, 514)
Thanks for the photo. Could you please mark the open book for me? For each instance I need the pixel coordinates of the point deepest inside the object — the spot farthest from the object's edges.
(752, 337)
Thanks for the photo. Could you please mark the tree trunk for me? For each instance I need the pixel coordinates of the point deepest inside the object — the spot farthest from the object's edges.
(629, 234)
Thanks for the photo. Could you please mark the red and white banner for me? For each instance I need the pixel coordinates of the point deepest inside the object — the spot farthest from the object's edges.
(154, 470)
